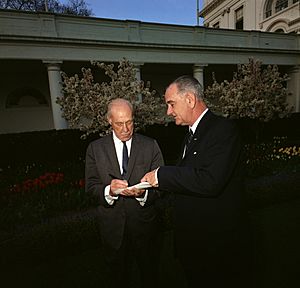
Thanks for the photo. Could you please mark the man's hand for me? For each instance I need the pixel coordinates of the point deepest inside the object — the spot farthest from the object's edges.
(116, 184)
(133, 192)
(150, 178)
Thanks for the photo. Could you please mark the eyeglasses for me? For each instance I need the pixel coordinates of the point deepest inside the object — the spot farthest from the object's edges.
(121, 124)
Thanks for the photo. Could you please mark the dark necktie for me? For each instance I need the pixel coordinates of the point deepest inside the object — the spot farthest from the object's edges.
(188, 140)
(189, 137)
(124, 158)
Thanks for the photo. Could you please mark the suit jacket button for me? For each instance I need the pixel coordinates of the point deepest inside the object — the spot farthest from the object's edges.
(195, 152)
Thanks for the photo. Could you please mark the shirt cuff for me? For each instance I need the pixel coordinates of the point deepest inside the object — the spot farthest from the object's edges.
(143, 200)
(156, 177)
(109, 199)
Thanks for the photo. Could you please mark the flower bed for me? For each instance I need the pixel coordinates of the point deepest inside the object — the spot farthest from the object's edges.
(29, 195)
(31, 191)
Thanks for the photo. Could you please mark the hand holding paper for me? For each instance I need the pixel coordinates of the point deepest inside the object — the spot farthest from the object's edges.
(139, 186)
(151, 178)
(116, 185)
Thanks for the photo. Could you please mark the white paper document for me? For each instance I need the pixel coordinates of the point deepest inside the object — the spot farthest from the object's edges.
(142, 185)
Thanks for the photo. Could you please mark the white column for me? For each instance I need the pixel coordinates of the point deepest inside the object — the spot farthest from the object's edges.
(55, 86)
(198, 73)
(294, 87)
(137, 67)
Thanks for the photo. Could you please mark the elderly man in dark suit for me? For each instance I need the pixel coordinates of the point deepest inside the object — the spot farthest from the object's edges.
(207, 184)
(128, 218)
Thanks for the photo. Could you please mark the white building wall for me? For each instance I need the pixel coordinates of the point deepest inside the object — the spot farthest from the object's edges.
(254, 18)
(287, 19)
(223, 12)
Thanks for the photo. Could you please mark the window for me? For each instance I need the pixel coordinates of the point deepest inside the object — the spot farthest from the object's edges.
(274, 6)
(25, 97)
(280, 5)
(239, 18)
(216, 25)
(268, 11)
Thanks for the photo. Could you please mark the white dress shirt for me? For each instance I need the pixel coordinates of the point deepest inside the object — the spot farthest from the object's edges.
(119, 150)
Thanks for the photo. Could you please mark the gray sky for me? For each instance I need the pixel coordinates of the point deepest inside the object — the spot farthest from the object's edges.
(181, 12)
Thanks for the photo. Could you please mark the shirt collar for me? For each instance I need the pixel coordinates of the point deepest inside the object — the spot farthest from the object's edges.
(194, 126)
(117, 140)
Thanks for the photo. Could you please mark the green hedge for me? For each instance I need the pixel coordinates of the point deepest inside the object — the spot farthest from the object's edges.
(55, 146)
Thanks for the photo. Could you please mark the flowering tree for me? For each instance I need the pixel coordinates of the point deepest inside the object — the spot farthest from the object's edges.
(85, 101)
(253, 93)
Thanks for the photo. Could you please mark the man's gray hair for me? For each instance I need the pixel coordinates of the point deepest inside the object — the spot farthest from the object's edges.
(118, 101)
(188, 83)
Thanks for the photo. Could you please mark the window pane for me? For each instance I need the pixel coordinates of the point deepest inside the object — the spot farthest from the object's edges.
(216, 25)
(281, 4)
(268, 11)
(239, 13)
(239, 19)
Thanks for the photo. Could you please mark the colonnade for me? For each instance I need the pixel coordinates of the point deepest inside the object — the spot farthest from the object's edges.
(55, 87)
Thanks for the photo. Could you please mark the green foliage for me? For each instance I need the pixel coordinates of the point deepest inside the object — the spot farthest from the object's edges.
(41, 187)
(46, 240)
(254, 93)
(85, 101)
(271, 157)
(272, 172)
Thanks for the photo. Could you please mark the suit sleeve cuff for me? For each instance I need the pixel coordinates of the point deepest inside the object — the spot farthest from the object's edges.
(109, 199)
(143, 200)
(156, 175)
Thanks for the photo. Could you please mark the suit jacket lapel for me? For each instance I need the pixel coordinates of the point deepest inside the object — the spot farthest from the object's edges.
(112, 155)
(201, 129)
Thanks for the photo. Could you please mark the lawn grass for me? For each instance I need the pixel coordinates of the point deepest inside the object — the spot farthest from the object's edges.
(276, 245)
(78, 268)
(276, 256)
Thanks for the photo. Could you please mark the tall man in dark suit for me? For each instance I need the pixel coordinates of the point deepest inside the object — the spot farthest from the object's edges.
(208, 189)
(129, 220)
